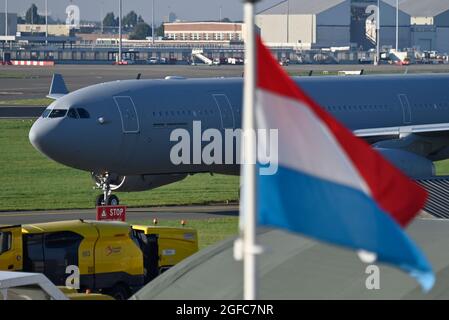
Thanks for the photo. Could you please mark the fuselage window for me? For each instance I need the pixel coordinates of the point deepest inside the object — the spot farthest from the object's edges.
(46, 113)
(72, 114)
(58, 113)
(83, 113)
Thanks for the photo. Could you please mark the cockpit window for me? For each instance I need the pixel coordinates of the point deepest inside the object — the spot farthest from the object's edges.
(58, 113)
(72, 113)
(83, 113)
(46, 113)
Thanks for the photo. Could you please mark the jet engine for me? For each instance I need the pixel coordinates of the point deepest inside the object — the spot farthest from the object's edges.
(411, 164)
(139, 182)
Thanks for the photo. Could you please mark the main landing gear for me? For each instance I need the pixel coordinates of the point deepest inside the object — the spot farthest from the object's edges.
(103, 182)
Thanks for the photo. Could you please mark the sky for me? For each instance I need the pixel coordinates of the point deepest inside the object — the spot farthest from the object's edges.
(184, 9)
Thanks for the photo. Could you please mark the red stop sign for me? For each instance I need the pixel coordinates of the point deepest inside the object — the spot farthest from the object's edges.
(111, 213)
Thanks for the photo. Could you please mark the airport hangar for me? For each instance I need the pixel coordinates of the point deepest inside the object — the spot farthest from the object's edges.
(12, 24)
(341, 23)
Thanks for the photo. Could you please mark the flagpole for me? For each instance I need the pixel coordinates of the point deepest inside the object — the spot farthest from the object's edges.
(248, 165)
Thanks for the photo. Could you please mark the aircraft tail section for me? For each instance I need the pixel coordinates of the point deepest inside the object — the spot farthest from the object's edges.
(58, 88)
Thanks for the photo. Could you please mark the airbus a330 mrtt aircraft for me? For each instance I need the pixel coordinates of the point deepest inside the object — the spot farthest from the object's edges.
(120, 131)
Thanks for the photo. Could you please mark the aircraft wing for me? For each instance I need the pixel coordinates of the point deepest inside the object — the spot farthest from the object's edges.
(58, 88)
(425, 129)
(428, 140)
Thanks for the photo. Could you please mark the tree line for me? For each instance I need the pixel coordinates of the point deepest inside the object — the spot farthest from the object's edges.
(137, 28)
(132, 23)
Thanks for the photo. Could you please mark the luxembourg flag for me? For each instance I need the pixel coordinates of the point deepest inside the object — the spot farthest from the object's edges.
(330, 185)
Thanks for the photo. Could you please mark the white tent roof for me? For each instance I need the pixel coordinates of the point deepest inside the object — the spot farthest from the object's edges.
(298, 268)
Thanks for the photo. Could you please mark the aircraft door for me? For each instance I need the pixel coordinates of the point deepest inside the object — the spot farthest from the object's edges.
(226, 112)
(406, 110)
(128, 114)
(130, 128)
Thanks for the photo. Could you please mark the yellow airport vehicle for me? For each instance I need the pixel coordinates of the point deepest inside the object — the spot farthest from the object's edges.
(73, 294)
(114, 258)
(175, 244)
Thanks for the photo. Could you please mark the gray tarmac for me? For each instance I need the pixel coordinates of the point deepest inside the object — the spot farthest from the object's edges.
(20, 112)
(133, 214)
(34, 82)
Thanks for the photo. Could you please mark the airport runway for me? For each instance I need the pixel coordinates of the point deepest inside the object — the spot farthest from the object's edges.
(20, 112)
(34, 82)
(133, 214)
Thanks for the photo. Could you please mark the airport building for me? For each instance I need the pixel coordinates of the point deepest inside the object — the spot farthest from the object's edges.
(339, 23)
(388, 25)
(204, 31)
(12, 24)
(53, 29)
(429, 24)
(99, 39)
(318, 23)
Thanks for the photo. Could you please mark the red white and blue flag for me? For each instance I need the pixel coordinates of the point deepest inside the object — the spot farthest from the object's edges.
(331, 185)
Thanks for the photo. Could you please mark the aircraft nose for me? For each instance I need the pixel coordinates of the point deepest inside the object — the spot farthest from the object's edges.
(37, 135)
(42, 136)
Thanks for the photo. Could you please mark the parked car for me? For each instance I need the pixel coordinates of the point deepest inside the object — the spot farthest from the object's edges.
(284, 62)
(153, 60)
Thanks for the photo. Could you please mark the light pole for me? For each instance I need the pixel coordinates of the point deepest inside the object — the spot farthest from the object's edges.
(152, 22)
(120, 31)
(288, 19)
(378, 33)
(6, 20)
(102, 17)
(397, 25)
(46, 22)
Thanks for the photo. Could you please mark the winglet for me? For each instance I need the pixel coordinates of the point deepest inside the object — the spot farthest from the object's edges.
(57, 87)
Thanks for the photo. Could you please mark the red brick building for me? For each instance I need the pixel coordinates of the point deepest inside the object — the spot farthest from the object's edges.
(204, 31)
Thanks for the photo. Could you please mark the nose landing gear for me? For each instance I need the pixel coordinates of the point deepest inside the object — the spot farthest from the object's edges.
(106, 183)
(111, 200)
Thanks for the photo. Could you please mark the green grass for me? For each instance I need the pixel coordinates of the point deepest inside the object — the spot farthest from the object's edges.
(28, 180)
(210, 231)
(26, 102)
(442, 168)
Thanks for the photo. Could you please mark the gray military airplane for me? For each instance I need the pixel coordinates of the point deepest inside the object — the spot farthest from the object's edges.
(120, 131)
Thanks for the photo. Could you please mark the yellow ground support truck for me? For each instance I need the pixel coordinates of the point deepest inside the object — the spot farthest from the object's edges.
(114, 258)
